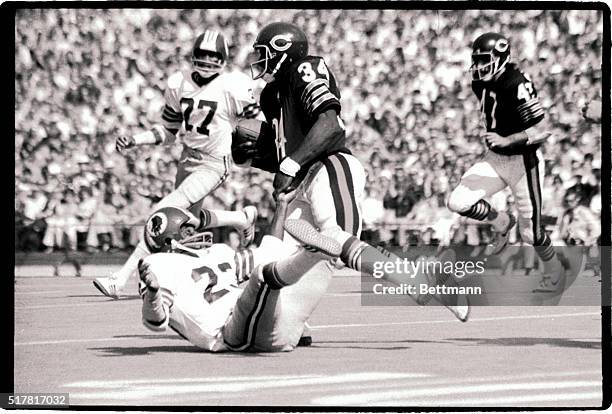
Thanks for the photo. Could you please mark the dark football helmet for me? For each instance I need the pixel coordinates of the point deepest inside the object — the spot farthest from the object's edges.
(277, 44)
(209, 53)
(490, 54)
(171, 225)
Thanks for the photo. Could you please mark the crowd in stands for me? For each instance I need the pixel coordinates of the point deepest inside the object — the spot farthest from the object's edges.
(82, 77)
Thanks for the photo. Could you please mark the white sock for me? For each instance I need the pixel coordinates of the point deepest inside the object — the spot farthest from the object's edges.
(221, 218)
(131, 265)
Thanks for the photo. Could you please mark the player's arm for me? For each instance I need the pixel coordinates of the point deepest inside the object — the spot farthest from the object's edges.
(524, 97)
(171, 117)
(311, 84)
(530, 136)
(322, 136)
(278, 221)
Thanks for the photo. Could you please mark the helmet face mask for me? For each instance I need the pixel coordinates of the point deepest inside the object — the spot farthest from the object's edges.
(484, 66)
(259, 68)
(491, 53)
(207, 63)
(276, 44)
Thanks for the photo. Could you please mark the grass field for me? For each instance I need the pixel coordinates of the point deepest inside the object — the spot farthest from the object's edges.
(70, 339)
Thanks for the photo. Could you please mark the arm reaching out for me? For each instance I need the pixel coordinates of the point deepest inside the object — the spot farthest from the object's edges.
(278, 221)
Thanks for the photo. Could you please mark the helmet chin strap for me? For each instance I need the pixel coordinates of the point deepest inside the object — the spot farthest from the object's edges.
(269, 77)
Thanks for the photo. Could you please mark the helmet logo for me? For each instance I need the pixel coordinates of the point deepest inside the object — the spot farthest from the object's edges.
(281, 42)
(157, 224)
(501, 45)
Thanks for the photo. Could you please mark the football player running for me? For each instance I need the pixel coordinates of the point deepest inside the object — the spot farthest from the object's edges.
(308, 153)
(223, 300)
(202, 106)
(511, 112)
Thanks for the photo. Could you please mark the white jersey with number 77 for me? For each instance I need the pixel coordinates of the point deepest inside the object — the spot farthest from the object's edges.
(205, 116)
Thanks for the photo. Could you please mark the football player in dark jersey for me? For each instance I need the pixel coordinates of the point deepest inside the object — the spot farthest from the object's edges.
(511, 112)
(307, 150)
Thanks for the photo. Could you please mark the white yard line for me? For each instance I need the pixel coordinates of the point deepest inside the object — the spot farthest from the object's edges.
(425, 393)
(42, 292)
(452, 320)
(71, 341)
(580, 398)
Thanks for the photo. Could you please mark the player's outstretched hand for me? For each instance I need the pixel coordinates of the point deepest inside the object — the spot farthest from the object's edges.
(124, 142)
(282, 184)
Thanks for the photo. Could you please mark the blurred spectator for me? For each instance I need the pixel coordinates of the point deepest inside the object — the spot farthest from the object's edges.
(85, 76)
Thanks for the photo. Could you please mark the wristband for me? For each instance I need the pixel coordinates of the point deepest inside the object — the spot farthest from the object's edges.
(147, 137)
(289, 167)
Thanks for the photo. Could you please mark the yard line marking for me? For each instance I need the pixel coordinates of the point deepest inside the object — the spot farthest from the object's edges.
(129, 390)
(543, 398)
(427, 382)
(71, 341)
(64, 305)
(428, 392)
(495, 318)
(42, 292)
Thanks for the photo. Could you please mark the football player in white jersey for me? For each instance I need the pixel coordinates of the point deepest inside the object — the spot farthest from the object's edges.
(202, 107)
(220, 299)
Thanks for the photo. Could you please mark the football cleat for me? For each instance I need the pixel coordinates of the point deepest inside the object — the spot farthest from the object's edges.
(462, 309)
(501, 237)
(547, 285)
(458, 305)
(247, 234)
(311, 239)
(108, 286)
(573, 265)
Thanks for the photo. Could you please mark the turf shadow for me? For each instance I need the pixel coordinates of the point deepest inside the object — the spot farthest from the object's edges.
(115, 351)
(361, 344)
(528, 341)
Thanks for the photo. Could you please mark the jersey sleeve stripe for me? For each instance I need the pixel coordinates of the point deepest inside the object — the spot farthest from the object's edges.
(169, 118)
(172, 125)
(324, 98)
(316, 91)
(172, 113)
(312, 85)
(530, 110)
(316, 94)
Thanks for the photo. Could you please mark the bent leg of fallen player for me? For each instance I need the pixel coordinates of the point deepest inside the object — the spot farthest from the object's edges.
(280, 296)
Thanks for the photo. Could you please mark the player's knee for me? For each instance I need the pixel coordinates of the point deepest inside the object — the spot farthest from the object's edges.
(458, 202)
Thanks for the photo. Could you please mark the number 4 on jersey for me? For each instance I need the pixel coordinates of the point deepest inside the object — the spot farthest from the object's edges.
(525, 91)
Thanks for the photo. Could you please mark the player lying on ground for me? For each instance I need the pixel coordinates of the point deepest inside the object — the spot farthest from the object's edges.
(303, 141)
(167, 219)
(255, 299)
(202, 106)
(511, 111)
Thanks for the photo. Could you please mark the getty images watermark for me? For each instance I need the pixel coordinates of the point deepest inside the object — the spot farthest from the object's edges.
(515, 277)
(420, 272)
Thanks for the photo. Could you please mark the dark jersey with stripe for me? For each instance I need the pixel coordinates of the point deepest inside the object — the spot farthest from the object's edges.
(509, 105)
(292, 103)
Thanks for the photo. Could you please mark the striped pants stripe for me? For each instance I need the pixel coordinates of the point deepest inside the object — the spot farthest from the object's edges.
(334, 192)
